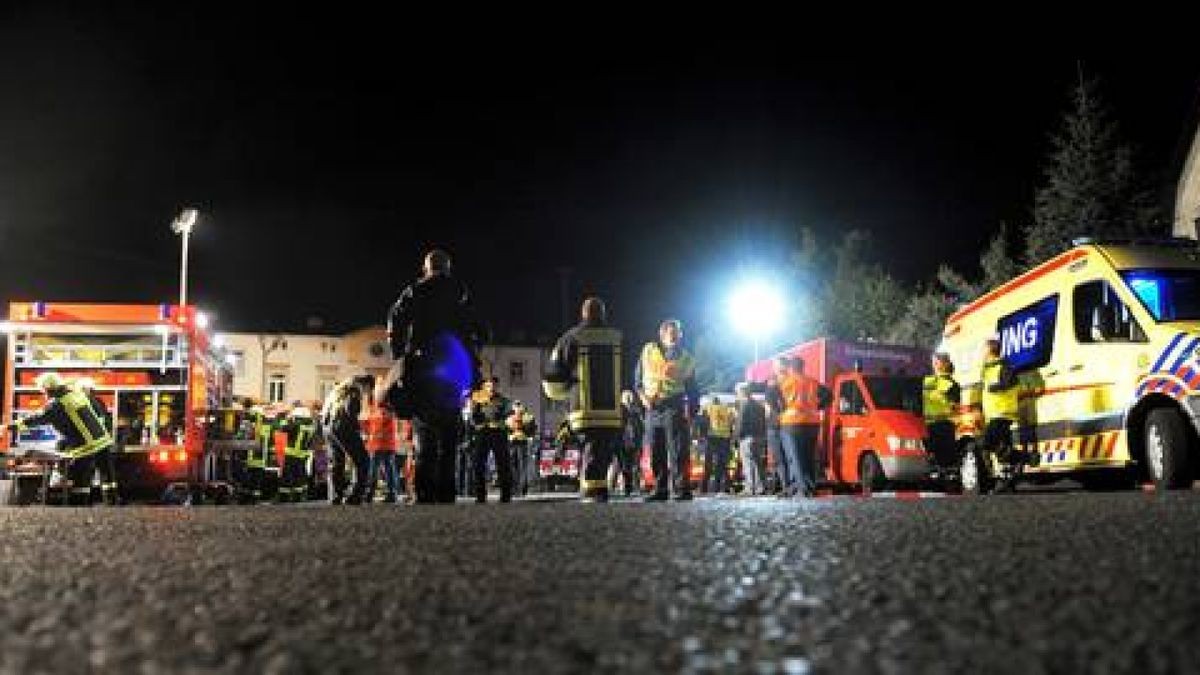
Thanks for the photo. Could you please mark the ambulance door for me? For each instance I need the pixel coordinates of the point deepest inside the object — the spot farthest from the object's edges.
(849, 431)
(1099, 376)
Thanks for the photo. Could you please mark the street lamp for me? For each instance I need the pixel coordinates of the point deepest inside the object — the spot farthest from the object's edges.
(182, 225)
(756, 309)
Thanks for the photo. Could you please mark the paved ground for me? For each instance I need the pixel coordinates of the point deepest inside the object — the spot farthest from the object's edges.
(1070, 582)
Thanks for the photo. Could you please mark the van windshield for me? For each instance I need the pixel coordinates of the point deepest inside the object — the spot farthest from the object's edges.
(896, 393)
(1169, 295)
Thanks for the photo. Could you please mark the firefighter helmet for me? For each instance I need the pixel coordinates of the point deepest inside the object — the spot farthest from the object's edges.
(47, 381)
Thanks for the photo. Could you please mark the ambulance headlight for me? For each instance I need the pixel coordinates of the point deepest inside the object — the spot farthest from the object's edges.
(898, 443)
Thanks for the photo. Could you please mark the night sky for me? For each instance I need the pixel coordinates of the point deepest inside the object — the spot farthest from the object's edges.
(327, 156)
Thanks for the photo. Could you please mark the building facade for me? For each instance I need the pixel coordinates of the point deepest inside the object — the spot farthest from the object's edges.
(280, 367)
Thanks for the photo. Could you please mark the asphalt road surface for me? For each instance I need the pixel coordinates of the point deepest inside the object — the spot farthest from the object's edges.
(1041, 583)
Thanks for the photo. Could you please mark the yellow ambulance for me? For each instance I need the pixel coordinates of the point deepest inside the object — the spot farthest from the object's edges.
(1105, 341)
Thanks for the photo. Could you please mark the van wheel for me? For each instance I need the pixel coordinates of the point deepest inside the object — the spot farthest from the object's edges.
(870, 473)
(975, 473)
(1167, 450)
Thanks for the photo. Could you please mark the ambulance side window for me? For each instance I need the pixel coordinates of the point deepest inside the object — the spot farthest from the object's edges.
(1100, 316)
(850, 399)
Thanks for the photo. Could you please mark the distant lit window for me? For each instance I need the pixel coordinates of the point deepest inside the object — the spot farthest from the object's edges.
(324, 387)
(239, 363)
(277, 388)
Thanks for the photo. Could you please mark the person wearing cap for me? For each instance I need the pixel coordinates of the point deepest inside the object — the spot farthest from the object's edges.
(301, 430)
(88, 442)
(435, 340)
(939, 404)
(522, 428)
(665, 378)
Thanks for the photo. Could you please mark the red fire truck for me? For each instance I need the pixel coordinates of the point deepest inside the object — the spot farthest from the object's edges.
(167, 387)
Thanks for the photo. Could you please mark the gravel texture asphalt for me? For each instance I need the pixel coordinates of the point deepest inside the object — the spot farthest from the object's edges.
(1030, 583)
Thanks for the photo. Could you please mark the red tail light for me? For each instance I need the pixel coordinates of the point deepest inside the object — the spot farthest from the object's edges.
(163, 455)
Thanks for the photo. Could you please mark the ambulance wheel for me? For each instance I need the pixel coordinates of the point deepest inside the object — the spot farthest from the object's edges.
(1167, 450)
(975, 474)
(870, 473)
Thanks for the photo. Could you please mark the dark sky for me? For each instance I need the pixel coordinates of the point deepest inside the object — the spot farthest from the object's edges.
(326, 156)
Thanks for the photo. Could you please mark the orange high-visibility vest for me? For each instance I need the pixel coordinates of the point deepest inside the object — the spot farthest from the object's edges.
(800, 399)
(381, 432)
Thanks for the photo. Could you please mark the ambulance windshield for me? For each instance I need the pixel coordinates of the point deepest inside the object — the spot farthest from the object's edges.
(896, 393)
(1169, 295)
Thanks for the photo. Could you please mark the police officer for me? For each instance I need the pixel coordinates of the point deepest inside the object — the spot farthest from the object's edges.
(585, 368)
(88, 442)
(489, 414)
(522, 428)
(665, 380)
(301, 431)
(434, 337)
(939, 403)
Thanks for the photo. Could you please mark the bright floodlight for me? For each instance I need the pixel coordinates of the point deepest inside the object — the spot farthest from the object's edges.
(201, 320)
(756, 309)
(184, 221)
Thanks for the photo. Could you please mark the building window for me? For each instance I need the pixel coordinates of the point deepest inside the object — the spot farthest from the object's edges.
(277, 388)
(516, 373)
(239, 363)
(324, 387)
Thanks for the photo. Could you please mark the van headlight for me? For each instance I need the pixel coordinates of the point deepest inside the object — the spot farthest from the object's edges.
(898, 443)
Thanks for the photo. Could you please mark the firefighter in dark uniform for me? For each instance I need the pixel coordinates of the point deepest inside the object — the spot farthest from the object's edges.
(301, 431)
(88, 442)
(585, 367)
(489, 434)
(666, 381)
(258, 457)
(107, 466)
(435, 339)
(939, 405)
(522, 429)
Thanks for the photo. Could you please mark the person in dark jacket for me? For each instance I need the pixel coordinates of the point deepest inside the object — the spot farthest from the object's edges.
(585, 367)
(343, 434)
(87, 440)
(434, 337)
(633, 438)
(750, 434)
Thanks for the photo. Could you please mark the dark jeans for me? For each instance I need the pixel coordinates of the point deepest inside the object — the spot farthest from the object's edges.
(519, 451)
(941, 443)
(716, 465)
(495, 443)
(778, 459)
(293, 483)
(386, 461)
(799, 446)
(348, 442)
(627, 457)
(997, 436)
(667, 436)
(436, 449)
